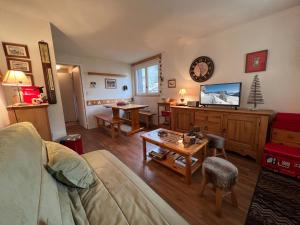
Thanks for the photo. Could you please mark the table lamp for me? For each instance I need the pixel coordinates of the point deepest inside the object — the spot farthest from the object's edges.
(16, 79)
(182, 92)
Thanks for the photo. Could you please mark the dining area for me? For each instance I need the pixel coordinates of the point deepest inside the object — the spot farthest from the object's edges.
(123, 117)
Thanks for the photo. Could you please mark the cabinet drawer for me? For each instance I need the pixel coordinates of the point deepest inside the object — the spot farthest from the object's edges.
(286, 137)
(200, 116)
(214, 118)
(214, 127)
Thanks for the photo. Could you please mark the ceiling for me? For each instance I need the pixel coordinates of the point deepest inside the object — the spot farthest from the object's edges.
(129, 30)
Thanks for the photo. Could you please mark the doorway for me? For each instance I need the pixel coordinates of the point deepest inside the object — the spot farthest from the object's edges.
(70, 83)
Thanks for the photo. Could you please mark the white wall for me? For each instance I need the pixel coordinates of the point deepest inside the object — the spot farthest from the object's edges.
(279, 33)
(99, 65)
(26, 30)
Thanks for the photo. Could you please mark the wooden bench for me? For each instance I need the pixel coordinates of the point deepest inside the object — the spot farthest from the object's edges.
(148, 117)
(103, 120)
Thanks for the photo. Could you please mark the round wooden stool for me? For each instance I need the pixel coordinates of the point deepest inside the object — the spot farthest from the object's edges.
(223, 176)
(217, 143)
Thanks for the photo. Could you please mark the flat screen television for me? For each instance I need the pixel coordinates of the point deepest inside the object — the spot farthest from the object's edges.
(226, 94)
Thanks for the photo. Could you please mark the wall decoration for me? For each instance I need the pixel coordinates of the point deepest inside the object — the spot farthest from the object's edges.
(202, 69)
(110, 83)
(15, 50)
(125, 87)
(92, 84)
(255, 95)
(172, 83)
(47, 70)
(256, 61)
(19, 65)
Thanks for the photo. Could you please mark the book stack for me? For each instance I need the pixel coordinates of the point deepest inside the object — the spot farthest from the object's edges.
(180, 161)
(159, 153)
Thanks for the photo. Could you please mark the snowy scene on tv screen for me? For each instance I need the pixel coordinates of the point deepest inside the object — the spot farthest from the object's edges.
(220, 94)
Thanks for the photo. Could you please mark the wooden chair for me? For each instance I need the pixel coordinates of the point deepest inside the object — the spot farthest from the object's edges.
(148, 116)
(107, 121)
(217, 144)
(223, 176)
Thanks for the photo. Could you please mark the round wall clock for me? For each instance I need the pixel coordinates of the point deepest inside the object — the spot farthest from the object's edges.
(202, 69)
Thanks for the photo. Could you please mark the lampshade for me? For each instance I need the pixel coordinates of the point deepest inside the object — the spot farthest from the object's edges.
(15, 78)
(182, 91)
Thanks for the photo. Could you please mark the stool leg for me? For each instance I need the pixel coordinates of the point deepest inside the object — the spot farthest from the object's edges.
(214, 152)
(233, 197)
(219, 199)
(97, 122)
(147, 122)
(113, 131)
(224, 153)
(119, 129)
(203, 185)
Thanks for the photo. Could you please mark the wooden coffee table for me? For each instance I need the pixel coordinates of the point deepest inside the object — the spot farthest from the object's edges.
(173, 143)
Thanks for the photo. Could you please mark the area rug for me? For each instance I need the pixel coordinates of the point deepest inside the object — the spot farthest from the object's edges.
(276, 200)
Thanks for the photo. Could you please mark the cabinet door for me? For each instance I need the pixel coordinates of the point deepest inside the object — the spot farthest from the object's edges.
(201, 119)
(209, 122)
(184, 120)
(241, 134)
(38, 117)
(214, 123)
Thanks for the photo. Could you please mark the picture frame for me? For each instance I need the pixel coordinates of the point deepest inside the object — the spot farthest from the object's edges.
(19, 65)
(110, 83)
(15, 50)
(172, 83)
(256, 61)
(47, 71)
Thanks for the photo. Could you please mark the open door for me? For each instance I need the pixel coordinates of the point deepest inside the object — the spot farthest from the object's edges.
(70, 83)
(79, 96)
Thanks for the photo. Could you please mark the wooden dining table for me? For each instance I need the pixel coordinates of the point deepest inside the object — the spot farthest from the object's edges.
(134, 113)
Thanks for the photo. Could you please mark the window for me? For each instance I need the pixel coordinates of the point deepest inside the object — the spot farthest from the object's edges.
(147, 78)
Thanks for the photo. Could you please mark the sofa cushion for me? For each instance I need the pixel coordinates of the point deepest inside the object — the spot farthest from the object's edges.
(20, 174)
(68, 167)
(121, 197)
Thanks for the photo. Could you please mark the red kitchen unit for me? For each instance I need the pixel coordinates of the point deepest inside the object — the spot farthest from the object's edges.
(282, 154)
(283, 159)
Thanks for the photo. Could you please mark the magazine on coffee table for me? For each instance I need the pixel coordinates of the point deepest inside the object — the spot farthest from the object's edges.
(180, 161)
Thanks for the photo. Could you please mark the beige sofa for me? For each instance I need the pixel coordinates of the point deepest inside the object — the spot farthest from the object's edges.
(30, 195)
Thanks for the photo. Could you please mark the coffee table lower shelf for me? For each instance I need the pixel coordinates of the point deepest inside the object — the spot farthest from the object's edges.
(172, 142)
(170, 163)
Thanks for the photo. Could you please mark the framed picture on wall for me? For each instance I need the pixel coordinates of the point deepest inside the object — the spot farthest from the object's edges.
(110, 83)
(19, 65)
(256, 61)
(47, 70)
(15, 50)
(172, 83)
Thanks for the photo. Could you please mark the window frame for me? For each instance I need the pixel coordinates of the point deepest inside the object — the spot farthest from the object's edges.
(146, 65)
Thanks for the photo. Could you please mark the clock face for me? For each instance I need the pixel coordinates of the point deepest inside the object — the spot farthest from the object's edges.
(202, 69)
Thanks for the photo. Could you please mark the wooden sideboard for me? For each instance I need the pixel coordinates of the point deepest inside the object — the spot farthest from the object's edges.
(245, 130)
(36, 114)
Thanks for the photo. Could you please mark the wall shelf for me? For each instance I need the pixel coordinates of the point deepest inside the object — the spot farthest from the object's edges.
(106, 74)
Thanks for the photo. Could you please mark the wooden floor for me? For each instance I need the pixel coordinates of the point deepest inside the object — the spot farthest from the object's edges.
(170, 186)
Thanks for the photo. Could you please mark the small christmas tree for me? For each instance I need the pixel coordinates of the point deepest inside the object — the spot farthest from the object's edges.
(255, 95)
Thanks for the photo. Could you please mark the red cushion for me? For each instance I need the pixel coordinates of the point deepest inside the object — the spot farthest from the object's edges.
(287, 121)
(281, 149)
